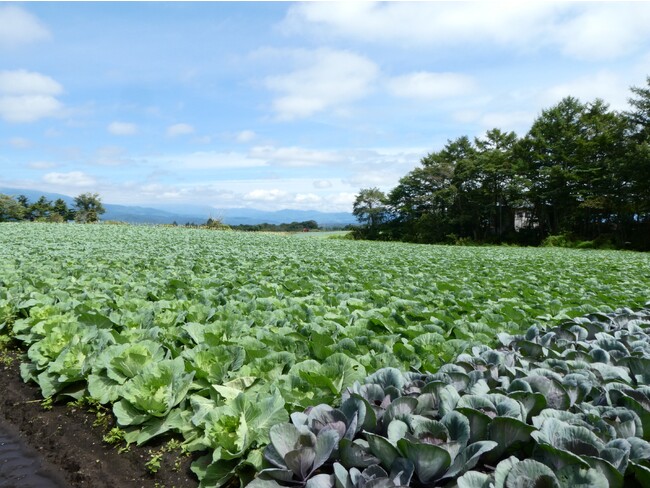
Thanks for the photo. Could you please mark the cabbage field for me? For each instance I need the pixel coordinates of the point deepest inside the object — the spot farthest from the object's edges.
(216, 336)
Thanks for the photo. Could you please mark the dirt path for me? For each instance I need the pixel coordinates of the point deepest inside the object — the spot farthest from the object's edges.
(71, 450)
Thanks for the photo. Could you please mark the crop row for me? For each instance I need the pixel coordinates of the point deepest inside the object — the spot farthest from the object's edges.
(216, 336)
(565, 406)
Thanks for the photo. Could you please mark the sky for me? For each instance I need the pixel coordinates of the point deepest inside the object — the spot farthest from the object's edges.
(274, 105)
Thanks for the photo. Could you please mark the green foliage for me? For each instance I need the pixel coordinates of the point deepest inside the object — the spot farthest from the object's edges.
(370, 209)
(572, 411)
(153, 464)
(566, 240)
(10, 209)
(581, 169)
(19, 208)
(213, 337)
(89, 207)
(216, 224)
(308, 225)
(114, 436)
(561, 240)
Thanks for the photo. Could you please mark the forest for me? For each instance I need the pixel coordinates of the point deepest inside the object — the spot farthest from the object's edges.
(580, 176)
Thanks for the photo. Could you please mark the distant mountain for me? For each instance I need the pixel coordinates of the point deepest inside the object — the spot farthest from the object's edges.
(252, 216)
(181, 214)
(33, 195)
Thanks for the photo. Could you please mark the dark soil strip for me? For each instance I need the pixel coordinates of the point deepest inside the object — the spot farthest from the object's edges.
(21, 466)
(66, 450)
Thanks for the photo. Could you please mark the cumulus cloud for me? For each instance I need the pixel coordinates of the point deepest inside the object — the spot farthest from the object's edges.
(70, 179)
(604, 31)
(429, 86)
(518, 121)
(28, 108)
(27, 96)
(322, 184)
(328, 80)
(421, 22)
(343, 200)
(301, 198)
(122, 128)
(209, 160)
(294, 156)
(384, 179)
(606, 85)
(17, 26)
(22, 82)
(583, 30)
(276, 198)
(179, 130)
(265, 195)
(245, 136)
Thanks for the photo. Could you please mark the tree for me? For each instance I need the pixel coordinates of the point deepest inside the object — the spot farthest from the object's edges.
(89, 207)
(59, 207)
(637, 171)
(370, 209)
(640, 116)
(423, 199)
(41, 209)
(309, 224)
(576, 154)
(10, 209)
(24, 202)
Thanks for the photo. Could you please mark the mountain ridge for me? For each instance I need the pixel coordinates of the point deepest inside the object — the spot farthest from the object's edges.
(197, 214)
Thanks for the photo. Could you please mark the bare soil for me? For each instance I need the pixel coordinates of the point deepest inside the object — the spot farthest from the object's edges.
(68, 447)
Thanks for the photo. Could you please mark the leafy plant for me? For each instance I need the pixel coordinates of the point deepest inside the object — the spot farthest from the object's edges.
(163, 338)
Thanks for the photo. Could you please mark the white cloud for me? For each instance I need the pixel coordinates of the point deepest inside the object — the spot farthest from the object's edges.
(28, 108)
(329, 80)
(22, 82)
(604, 84)
(20, 142)
(301, 198)
(209, 160)
(42, 165)
(343, 200)
(17, 26)
(294, 156)
(322, 184)
(427, 86)
(245, 136)
(276, 198)
(508, 120)
(583, 30)
(26, 96)
(518, 121)
(384, 179)
(179, 130)
(111, 156)
(122, 128)
(265, 195)
(421, 22)
(70, 179)
(605, 31)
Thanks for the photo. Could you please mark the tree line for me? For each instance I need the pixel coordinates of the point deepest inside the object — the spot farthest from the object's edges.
(307, 225)
(580, 174)
(87, 208)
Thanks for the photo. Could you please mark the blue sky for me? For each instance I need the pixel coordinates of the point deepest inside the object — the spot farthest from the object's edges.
(286, 105)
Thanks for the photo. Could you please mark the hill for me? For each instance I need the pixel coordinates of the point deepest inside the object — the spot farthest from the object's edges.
(183, 213)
